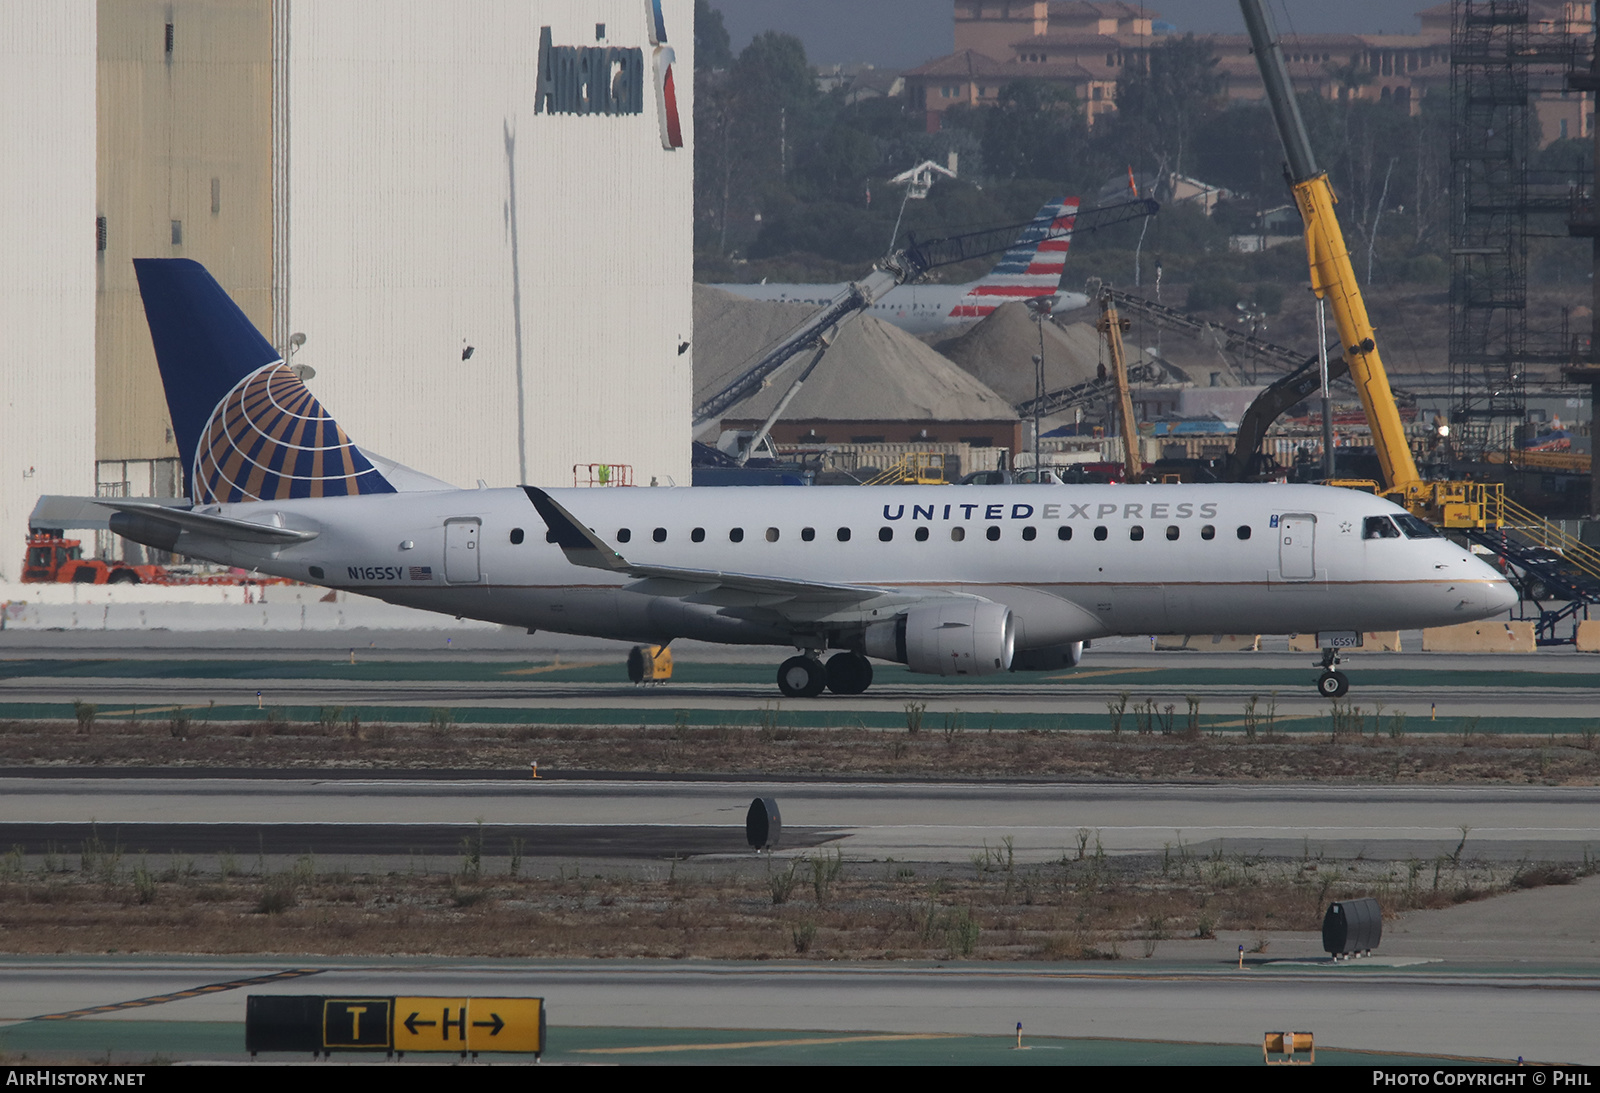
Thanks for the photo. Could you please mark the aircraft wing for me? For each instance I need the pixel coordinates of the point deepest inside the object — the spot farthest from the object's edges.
(583, 547)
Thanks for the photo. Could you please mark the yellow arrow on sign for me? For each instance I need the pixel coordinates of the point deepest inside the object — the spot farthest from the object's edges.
(468, 1024)
(505, 1024)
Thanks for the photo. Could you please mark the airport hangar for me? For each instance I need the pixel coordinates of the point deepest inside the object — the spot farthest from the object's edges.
(494, 280)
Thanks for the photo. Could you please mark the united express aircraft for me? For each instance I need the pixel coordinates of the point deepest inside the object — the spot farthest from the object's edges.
(955, 580)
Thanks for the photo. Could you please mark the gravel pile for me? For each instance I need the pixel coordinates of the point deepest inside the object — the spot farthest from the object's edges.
(999, 351)
(872, 372)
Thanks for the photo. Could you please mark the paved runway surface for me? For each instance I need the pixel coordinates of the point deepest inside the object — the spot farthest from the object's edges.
(1517, 975)
(501, 676)
(1369, 1008)
(344, 841)
(906, 821)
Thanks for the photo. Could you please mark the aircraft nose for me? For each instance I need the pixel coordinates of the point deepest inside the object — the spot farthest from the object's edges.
(1494, 594)
(1499, 596)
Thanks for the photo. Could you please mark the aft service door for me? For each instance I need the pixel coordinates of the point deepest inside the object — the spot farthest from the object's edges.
(1297, 537)
(461, 552)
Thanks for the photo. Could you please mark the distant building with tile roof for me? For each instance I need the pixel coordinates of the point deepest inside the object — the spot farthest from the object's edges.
(1085, 45)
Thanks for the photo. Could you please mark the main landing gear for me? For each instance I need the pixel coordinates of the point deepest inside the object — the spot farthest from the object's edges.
(1332, 683)
(805, 676)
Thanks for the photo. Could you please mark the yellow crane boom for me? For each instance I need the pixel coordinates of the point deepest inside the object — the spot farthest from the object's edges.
(1113, 326)
(1332, 277)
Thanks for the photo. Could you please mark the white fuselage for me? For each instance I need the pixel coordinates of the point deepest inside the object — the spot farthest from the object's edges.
(916, 309)
(1099, 560)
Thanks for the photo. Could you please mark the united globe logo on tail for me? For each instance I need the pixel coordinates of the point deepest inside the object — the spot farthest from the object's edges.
(246, 428)
(270, 439)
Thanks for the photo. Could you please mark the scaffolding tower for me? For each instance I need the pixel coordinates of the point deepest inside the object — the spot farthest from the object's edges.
(1498, 202)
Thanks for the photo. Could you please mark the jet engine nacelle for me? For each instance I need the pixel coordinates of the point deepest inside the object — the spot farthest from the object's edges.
(955, 638)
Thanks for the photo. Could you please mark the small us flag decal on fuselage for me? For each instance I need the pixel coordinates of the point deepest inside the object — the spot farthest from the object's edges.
(422, 573)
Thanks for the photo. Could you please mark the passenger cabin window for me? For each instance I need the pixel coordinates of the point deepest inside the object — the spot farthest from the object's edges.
(623, 535)
(1416, 528)
(885, 534)
(993, 533)
(1208, 532)
(1029, 534)
(736, 535)
(772, 535)
(517, 536)
(957, 534)
(1379, 527)
(1100, 534)
(1136, 533)
(1244, 531)
(843, 535)
(659, 535)
(1172, 531)
(807, 534)
(922, 535)
(1064, 533)
(698, 535)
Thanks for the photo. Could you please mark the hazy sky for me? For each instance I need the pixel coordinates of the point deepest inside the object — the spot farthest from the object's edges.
(904, 33)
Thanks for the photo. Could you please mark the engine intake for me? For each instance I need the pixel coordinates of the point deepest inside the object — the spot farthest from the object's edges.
(955, 638)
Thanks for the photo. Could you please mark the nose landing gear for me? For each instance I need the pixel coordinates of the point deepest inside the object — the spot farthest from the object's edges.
(1332, 683)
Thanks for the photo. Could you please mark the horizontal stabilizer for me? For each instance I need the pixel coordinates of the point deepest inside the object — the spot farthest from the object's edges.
(217, 527)
(155, 518)
(86, 513)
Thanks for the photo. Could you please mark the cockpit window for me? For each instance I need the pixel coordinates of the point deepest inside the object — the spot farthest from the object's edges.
(1379, 527)
(1416, 528)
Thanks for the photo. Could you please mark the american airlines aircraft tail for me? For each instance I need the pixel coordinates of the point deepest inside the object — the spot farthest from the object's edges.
(948, 580)
(1030, 269)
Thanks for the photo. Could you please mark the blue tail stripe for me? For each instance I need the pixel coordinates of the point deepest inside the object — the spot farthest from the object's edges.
(204, 344)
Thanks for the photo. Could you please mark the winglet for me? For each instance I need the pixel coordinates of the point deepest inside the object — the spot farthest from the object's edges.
(580, 545)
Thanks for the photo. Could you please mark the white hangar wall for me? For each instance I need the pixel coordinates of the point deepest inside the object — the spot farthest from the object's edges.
(47, 278)
(431, 208)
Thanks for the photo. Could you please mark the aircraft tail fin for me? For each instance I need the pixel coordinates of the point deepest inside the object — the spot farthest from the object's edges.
(1031, 268)
(246, 427)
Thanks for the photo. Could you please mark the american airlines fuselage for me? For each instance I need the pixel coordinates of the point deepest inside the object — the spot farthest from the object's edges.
(916, 309)
(1070, 562)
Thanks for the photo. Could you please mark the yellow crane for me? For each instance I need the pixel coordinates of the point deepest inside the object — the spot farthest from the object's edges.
(1452, 504)
(1112, 326)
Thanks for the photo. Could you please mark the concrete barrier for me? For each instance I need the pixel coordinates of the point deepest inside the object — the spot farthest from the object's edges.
(1209, 643)
(1372, 641)
(1589, 636)
(153, 607)
(1480, 637)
